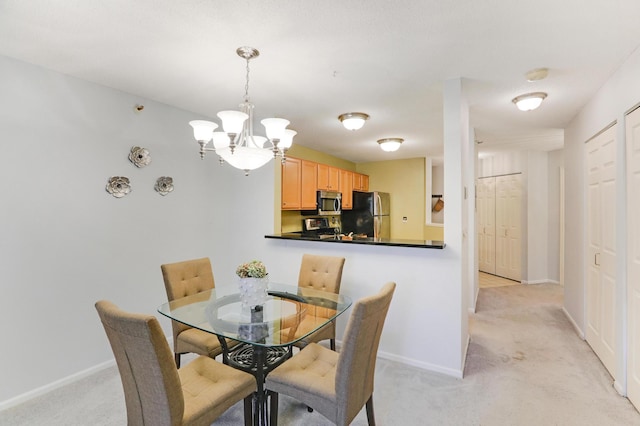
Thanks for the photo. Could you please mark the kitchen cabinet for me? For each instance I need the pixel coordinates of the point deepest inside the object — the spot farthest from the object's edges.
(301, 179)
(291, 184)
(346, 188)
(299, 183)
(308, 185)
(360, 182)
(328, 178)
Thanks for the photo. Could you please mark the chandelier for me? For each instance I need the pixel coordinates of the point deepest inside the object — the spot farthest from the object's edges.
(236, 144)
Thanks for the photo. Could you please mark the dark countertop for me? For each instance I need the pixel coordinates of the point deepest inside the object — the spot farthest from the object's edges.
(367, 241)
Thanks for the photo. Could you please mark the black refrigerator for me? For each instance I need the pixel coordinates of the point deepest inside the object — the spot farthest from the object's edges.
(370, 215)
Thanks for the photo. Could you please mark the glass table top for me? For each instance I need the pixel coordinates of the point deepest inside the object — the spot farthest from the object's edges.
(274, 323)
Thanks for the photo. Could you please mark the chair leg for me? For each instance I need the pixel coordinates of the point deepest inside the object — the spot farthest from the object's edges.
(273, 408)
(177, 358)
(370, 416)
(248, 410)
(332, 344)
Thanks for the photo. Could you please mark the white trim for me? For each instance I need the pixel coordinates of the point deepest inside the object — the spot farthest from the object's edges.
(472, 309)
(540, 282)
(435, 225)
(465, 352)
(422, 365)
(573, 323)
(55, 385)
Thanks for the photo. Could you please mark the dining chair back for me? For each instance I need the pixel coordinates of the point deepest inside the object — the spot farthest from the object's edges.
(183, 279)
(319, 273)
(337, 385)
(156, 391)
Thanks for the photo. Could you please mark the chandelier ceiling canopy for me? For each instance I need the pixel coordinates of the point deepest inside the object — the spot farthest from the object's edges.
(236, 144)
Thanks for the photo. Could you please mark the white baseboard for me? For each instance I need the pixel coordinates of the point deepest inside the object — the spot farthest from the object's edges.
(95, 369)
(419, 364)
(472, 308)
(465, 352)
(540, 282)
(55, 385)
(422, 365)
(579, 332)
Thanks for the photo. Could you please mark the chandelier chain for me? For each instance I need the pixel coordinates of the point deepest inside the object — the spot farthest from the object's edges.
(246, 85)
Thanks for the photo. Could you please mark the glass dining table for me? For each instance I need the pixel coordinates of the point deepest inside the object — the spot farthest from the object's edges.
(257, 339)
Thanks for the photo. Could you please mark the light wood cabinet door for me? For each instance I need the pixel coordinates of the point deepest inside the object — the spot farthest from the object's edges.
(291, 182)
(346, 188)
(360, 182)
(365, 182)
(328, 178)
(308, 185)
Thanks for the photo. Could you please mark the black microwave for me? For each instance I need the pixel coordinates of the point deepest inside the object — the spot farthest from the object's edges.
(328, 203)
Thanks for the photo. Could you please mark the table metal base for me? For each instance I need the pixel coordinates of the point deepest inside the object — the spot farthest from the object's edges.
(259, 361)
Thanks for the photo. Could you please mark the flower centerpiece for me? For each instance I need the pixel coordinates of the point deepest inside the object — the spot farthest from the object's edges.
(253, 280)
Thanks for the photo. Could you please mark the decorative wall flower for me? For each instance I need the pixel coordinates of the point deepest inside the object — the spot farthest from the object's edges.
(118, 186)
(140, 156)
(164, 185)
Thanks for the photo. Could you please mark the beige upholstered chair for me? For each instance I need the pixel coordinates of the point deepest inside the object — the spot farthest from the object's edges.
(337, 384)
(319, 273)
(156, 391)
(184, 279)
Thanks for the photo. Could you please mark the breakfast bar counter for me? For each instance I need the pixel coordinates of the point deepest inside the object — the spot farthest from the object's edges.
(297, 236)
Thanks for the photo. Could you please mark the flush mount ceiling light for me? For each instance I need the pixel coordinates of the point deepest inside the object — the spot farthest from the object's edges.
(390, 144)
(237, 144)
(353, 120)
(537, 74)
(529, 101)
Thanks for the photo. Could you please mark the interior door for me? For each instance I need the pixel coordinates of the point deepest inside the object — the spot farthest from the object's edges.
(508, 226)
(601, 246)
(486, 197)
(633, 259)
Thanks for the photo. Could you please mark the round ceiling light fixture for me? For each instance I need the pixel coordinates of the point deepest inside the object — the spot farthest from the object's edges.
(353, 120)
(537, 74)
(529, 101)
(390, 144)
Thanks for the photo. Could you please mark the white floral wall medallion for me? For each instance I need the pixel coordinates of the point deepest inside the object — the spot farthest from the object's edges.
(118, 186)
(164, 185)
(140, 156)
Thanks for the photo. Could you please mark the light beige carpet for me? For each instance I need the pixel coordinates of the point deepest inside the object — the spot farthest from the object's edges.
(525, 366)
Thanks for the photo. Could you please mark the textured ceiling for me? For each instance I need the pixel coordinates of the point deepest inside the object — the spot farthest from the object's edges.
(323, 58)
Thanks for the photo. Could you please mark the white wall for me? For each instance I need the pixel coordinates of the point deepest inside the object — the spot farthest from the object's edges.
(66, 243)
(620, 93)
(555, 163)
(536, 192)
(456, 145)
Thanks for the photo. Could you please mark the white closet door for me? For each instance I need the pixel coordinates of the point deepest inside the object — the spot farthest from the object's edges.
(633, 260)
(508, 226)
(486, 196)
(601, 242)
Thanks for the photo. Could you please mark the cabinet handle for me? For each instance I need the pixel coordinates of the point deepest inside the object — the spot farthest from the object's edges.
(596, 259)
